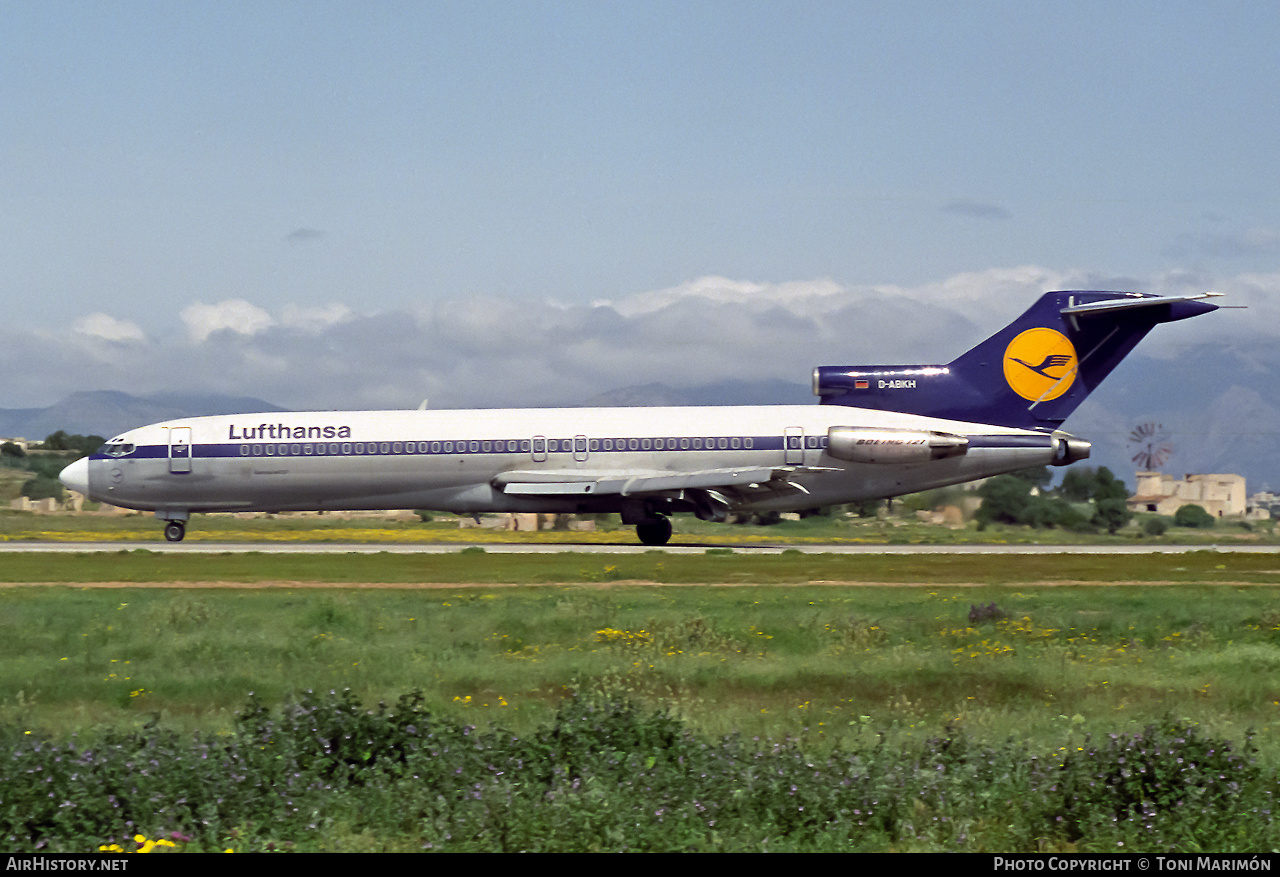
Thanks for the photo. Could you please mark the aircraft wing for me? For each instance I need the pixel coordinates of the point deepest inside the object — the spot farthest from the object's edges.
(579, 482)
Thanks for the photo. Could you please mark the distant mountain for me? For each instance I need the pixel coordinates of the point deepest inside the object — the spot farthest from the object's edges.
(643, 396)
(108, 413)
(721, 393)
(1219, 407)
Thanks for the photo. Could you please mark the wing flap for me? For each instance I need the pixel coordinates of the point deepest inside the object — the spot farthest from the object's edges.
(582, 483)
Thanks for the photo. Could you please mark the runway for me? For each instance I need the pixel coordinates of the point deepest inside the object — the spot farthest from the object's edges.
(202, 548)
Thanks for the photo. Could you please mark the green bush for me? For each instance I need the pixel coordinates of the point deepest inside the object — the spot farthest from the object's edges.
(42, 487)
(322, 772)
(1111, 514)
(1166, 782)
(1192, 516)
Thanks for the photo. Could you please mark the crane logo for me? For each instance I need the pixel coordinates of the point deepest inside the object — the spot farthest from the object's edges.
(1040, 364)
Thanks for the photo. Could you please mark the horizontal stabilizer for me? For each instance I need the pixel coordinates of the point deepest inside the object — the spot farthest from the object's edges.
(1111, 306)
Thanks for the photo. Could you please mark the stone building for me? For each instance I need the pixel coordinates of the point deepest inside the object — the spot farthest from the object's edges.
(1219, 495)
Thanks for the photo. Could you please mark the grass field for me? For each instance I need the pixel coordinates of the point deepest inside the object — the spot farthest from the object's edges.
(731, 641)
(1026, 659)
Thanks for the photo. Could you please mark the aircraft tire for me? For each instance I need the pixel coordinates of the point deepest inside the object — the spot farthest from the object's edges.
(656, 532)
(174, 531)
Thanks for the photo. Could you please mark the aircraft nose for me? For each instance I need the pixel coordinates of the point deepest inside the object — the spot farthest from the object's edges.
(76, 476)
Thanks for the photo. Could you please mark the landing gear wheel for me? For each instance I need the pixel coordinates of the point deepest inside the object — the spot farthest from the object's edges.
(175, 530)
(655, 532)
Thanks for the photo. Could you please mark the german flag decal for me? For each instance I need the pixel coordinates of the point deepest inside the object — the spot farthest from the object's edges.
(1040, 364)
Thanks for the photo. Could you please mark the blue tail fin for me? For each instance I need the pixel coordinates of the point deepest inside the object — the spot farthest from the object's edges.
(1031, 374)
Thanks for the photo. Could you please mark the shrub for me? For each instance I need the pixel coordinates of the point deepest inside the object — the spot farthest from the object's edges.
(41, 487)
(1155, 526)
(1166, 782)
(608, 775)
(1111, 514)
(1192, 516)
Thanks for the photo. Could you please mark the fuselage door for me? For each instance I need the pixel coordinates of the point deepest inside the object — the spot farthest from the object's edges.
(793, 444)
(179, 449)
(580, 448)
(539, 448)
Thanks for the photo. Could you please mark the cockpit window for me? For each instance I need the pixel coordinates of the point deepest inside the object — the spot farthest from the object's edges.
(116, 448)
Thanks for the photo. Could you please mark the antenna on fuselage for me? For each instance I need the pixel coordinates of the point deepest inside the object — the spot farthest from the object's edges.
(422, 406)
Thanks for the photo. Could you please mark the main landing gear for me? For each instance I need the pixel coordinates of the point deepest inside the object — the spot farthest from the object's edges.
(175, 523)
(654, 532)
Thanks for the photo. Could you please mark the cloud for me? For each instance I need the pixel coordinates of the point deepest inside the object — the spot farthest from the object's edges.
(304, 236)
(976, 209)
(801, 296)
(236, 315)
(315, 320)
(477, 352)
(107, 328)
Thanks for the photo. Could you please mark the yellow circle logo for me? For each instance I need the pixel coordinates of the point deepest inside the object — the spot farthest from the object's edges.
(1040, 364)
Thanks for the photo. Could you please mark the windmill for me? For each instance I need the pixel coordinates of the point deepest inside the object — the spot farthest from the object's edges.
(1152, 446)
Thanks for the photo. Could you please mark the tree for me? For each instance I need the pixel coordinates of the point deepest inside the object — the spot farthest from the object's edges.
(81, 444)
(1111, 514)
(1071, 518)
(1004, 500)
(1038, 476)
(1108, 493)
(1108, 486)
(1110, 509)
(11, 449)
(1077, 484)
(56, 441)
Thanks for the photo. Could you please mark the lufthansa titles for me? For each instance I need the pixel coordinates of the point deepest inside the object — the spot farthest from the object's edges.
(283, 431)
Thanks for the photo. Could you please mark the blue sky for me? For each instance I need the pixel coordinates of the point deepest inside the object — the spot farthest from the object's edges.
(289, 178)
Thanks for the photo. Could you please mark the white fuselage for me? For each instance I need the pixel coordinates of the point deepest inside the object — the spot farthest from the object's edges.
(460, 460)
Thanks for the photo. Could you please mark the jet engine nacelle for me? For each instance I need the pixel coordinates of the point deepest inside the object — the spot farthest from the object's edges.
(874, 445)
(1067, 449)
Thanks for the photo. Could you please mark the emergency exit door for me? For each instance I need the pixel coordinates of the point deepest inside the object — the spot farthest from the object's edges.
(179, 449)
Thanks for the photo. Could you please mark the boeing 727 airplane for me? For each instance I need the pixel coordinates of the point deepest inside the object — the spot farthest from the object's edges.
(879, 431)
